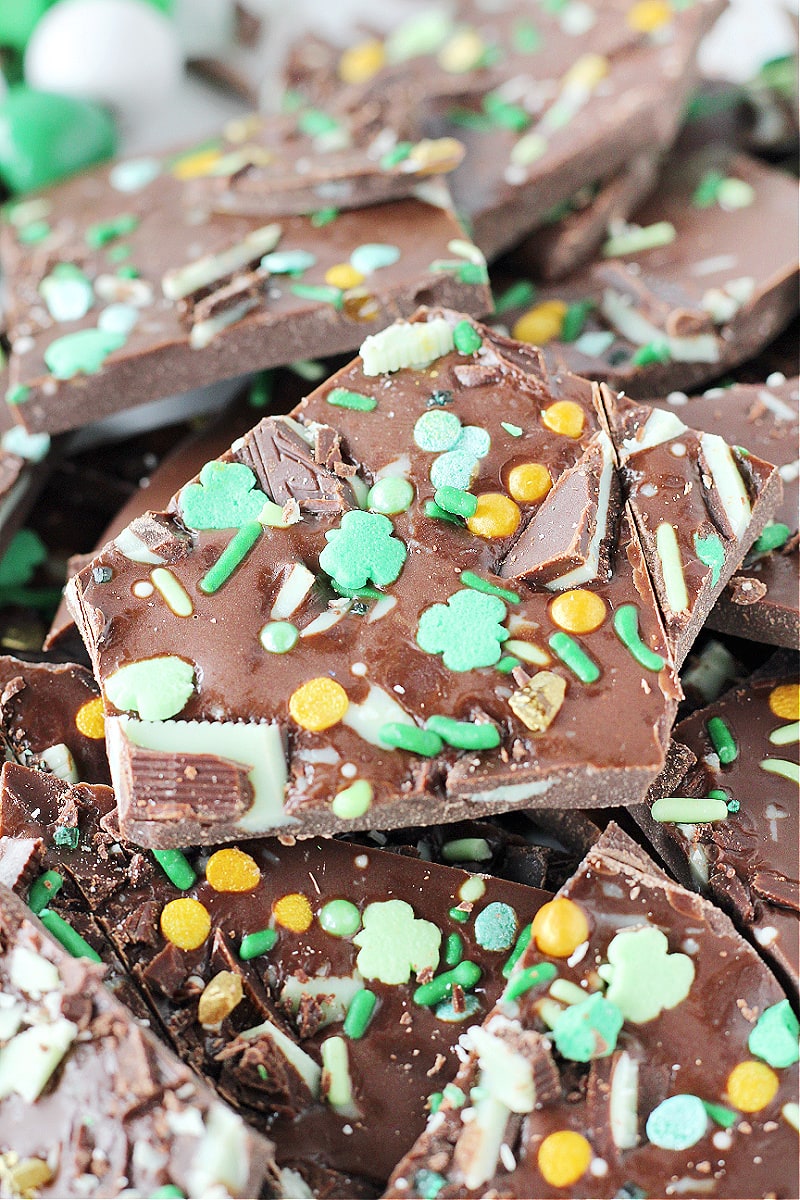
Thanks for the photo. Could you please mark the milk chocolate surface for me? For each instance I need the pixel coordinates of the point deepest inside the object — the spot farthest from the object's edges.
(589, 1101)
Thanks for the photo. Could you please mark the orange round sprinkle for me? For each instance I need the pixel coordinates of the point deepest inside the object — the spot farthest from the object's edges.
(185, 922)
(541, 323)
(751, 1085)
(648, 15)
(559, 927)
(565, 416)
(318, 704)
(293, 912)
(578, 611)
(231, 870)
(361, 62)
(529, 482)
(563, 1157)
(89, 719)
(785, 701)
(496, 516)
(343, 276)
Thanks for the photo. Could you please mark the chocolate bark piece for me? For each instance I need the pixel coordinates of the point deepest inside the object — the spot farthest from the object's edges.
(25, 463)
(761, 601)
(483, 415)
(692, 498)
(649, 1092)
(693, 288)
(746, 750)
(51, 717)
(196, 295)
(92, 1104)
(543, 103)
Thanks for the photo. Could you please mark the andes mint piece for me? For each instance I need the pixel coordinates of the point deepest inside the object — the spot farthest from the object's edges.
(140, 286)
(761, 600)
(357, 664)
(688, 290)
(746, 859)
(80, 1062)
(653, 1084)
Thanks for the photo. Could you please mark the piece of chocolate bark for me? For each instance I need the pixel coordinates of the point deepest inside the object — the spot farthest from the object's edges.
(444, 651)
(546, 101)
(641, 1048)
(731, 828)
(90, 1103)
(761, 600)
(25, 462)
(689, 290)
(147, 278)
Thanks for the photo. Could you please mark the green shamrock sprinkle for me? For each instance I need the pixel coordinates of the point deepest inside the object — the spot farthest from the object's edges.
(81, 353)
(677, 1123)
(774, 1036)
(155, 688)
(225, 498)
(588, 1029)
(393, 942)
(496, 926)
(643, 977)
(363, 548)
(711, 553)
(467, 631)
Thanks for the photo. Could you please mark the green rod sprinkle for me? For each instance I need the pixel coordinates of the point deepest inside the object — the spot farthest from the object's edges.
(176, 867)
(456, 500)
(575, 657)
(528, 978)
(454, 950)
(471, 580)
(234, 553)
(362, 593)
(169, 1192)
(506, 664)
(440, 514)
(69, 938)
(410, 737)
(518, 295)
(626, 627)
(342, 398)
(465, 735)
(458, 914)
(466, 975)
(689, 810)
(775, 535)
(723, 1116)
(255, 944)
(722, 740)
(359, 1014)
(43, 890)
(321, 293)
(519, 949)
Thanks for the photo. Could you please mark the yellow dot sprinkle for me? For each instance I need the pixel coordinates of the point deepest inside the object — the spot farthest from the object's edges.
(343, 276)
(529, 482)
(318, 704)
(462, 52)
(293, 912)
(196, 165)
(563, 1157)
(89, 719)
(649, 15)
(559, 927)
(239, 129)
(361, 62)
(751, 1085)
(587, 71)
(565, 416)
(785, 701)
(541, 323)
(578, 611)
(496, 516)
(231, 870)
(185, 922)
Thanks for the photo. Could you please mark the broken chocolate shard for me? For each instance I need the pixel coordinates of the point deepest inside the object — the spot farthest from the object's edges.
(292, 463)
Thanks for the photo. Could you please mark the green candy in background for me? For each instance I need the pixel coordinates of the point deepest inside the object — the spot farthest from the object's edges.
(44, 137)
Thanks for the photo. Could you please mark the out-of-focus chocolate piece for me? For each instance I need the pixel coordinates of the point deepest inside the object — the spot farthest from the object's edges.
(51, 717)
(165, 293)
(545, 101)
(25, 462)
(747, 861)
(761, 601)
(608, 1070)
(90, 1103)
(690, 289)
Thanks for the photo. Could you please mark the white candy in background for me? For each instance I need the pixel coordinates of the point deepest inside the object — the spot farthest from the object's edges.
(121, 53)
(205, 27)
(748, 34)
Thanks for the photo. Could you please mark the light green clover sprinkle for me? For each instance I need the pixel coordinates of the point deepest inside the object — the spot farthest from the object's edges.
(677, 1123)
(588, 1030)
(155, 688)
(393, 942)
(363, 548)
(496, 926)
(643, 977)
(225, 498)
(81, 353)
(774, 1036)
(437, 430)
(711, 553)
(467, 631)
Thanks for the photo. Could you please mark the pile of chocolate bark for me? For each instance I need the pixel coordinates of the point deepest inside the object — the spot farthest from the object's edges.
(401, 800)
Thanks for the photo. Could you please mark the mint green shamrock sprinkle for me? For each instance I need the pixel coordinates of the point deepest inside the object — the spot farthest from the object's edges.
(393, 942)
(363, 548)
(467, 631)
(155, 688)
(774, 1036)
(225, 498)
(81, 353)
(643, 977)
(588, 1029)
